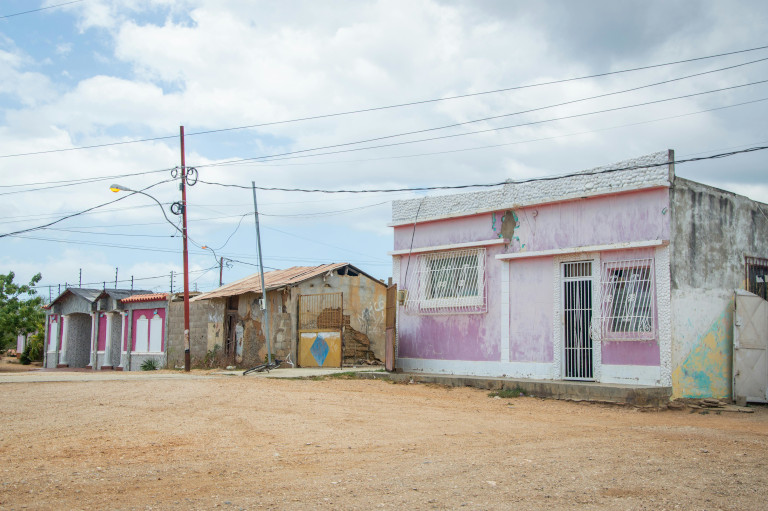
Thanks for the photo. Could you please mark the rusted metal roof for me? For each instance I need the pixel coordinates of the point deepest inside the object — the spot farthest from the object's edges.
(275, 279)
(152, 297)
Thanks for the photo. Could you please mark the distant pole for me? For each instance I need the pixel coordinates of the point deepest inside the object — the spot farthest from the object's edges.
(115, 278)
(171, 281)
(131, 282)
(80, 280)
(105, 286)
(261, 267)
(187, 362)
(60, 289)
(50, 294)
(221, 271)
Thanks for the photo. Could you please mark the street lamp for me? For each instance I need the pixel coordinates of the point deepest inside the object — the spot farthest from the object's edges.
(177, 208)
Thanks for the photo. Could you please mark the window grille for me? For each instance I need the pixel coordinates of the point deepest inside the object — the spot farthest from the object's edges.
(757, 276)
(449, 282)
(628, 300)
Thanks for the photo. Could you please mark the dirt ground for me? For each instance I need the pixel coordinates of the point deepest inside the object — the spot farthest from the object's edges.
(12, 365)
(250, 443)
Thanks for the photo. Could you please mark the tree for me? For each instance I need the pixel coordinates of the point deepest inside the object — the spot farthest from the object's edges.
(20, 309)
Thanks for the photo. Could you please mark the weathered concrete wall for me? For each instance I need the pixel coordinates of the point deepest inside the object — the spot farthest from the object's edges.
(200, 314)
(364, 302)
(712, 231)
(113, 354)
(78, 339)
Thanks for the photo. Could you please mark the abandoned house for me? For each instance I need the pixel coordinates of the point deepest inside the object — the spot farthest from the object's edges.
(624, 275)
(320, 316)
(106, 329)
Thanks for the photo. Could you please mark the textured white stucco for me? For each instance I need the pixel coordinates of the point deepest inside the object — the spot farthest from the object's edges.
(588, 183)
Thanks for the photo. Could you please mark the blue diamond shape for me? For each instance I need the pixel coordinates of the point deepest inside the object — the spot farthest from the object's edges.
(319, 349)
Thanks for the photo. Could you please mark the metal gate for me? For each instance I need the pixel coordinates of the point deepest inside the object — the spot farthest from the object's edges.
(321, 321)
(750, 348)
(391, 321)
(578, 361)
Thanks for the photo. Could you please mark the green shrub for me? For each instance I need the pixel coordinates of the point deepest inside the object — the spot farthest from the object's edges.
(35, 347)
(24, 359)
(149, 364)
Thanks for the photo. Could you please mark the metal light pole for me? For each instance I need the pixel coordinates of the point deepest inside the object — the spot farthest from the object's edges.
(261, 267)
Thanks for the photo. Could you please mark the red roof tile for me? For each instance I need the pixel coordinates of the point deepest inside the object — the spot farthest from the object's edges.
(154, 297)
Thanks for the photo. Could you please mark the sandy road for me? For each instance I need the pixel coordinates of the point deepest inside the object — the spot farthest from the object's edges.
(250, 443)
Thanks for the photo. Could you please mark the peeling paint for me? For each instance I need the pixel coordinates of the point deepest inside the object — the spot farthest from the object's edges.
(706, 370)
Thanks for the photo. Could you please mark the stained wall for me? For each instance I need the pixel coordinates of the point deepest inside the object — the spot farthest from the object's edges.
(712, 231)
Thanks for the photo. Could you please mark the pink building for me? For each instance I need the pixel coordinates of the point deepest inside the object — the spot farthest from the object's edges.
(623, 274)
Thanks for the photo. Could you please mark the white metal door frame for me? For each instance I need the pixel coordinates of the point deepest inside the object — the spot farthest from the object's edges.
(577, 293)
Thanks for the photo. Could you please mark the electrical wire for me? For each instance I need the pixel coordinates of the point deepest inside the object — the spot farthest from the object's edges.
(269, 163)
(81, 212)
(430, 139)
(473, 121)
(40, 9)
(485, 185)
(77, 182)
(399, 105)
(136, 279)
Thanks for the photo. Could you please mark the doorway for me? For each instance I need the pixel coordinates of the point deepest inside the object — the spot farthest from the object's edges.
(578, 355)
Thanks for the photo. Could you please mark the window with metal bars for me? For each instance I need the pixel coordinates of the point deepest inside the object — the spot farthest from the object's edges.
(449, 282)
(757, 276)
(628, 300)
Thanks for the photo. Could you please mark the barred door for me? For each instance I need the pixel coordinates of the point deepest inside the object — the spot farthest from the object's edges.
(577, 319)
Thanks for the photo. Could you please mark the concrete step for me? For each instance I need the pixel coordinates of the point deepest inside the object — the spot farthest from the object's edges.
(637, 395)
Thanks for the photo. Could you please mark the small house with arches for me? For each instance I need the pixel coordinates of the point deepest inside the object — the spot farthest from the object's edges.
(105, 329)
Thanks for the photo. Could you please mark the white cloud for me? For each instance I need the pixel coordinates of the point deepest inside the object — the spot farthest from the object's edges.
(210, 64)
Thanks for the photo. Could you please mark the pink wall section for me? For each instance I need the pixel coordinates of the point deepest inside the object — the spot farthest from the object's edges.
(635, 216)
(454, 336)
(601, 220)
(530, 310)
(149, 314)
(102, 343)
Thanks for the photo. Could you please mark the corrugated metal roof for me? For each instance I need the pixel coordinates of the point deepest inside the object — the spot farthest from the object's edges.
(274, 279)
(150, 297)
(89, 295)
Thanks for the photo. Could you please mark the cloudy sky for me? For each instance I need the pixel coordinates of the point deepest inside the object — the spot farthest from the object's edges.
(244, 76)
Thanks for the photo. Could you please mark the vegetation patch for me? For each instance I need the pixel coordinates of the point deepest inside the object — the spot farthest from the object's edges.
(149, 365)
(348, 375)
(507, 393)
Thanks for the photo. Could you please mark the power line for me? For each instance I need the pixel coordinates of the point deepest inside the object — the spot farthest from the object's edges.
(489, 185)
(268, 163)
(301, 151)
(40, 9)
(164, 276)
(80, 212)
(399, 105)
(76, 182)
